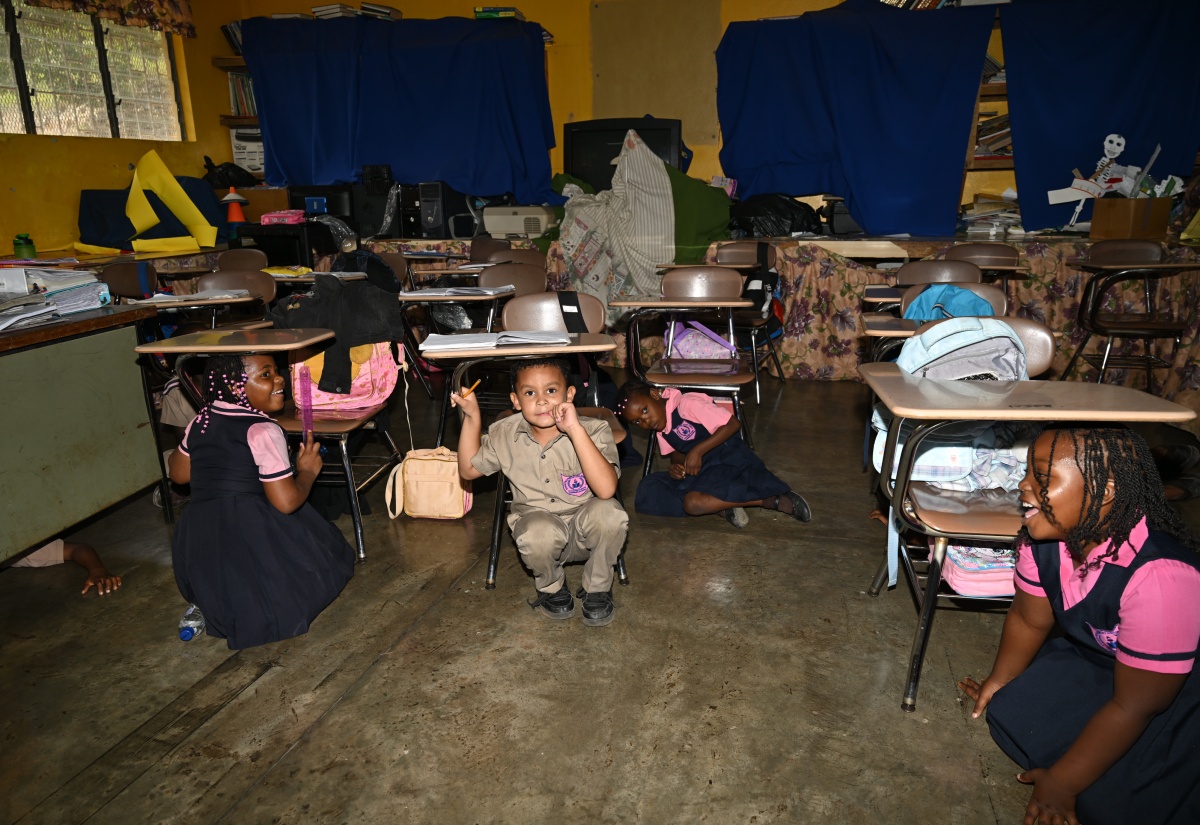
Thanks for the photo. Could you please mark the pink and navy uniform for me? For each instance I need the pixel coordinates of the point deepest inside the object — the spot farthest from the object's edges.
(1141, 608)
(257, 574)
(730, 471)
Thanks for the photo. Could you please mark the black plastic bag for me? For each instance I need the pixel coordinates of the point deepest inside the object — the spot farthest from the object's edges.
(227, 175)
(772, 216)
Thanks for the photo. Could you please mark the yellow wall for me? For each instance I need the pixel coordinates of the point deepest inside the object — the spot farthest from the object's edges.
(40, 177)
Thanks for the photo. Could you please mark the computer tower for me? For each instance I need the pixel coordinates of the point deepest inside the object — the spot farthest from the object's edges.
(409, 206)
(444, 212)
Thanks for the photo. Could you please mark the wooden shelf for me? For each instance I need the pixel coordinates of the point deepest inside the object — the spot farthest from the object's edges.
(977, 164)
(235, 121)
(230, 64)
(990, 91)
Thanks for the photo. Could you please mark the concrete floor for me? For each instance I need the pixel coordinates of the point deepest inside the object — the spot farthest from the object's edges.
(748, 677)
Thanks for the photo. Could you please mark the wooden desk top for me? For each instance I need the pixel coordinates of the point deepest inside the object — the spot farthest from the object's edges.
(251, 340)
(422, 255)
(74, 325)
(580, 342)
(908, 396)
(310, 277)
(414, 298)
(882, 325)
(683, 304)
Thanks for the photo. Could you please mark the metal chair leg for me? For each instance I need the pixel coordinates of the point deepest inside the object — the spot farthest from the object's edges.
(775, 357)
(412, 363)
(164, 482)
(497, 531)
(441, 434)
(880, 580)
(651, 447)
(352, 492)
(1078, 352)
(928, 601)
(737, 412)
(622, 575)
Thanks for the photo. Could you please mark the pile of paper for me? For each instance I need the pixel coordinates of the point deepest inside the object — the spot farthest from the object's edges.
(993, 215)
(489, 340)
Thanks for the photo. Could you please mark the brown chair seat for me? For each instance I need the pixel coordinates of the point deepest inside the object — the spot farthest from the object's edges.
(698, 371)
(992, 514)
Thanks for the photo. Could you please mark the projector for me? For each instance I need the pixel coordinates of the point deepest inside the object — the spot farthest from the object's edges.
(520, 221)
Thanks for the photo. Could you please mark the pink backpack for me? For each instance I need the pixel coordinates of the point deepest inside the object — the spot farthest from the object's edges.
(694, 340)
(377, 376)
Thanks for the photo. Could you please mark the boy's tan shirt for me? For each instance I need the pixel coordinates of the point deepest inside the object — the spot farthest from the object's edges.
(546, 478)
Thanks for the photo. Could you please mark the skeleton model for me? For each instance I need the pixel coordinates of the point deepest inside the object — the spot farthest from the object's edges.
(1108, 175)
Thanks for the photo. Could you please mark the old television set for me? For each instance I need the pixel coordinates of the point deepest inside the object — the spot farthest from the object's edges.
(590, 146)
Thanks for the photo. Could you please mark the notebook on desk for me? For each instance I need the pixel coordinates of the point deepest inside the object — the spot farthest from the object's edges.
(489, 340)
(462, 291)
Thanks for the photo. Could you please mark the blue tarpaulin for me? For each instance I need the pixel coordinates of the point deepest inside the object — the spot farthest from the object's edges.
(456, 100)
(862, 100)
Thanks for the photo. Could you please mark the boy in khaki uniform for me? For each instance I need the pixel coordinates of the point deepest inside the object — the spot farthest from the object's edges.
(563, 471)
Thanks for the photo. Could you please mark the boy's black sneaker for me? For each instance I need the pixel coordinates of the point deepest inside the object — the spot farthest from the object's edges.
(598, 609)
(556, 605)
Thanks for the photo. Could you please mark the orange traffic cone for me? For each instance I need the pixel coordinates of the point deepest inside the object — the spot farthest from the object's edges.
(235, 202)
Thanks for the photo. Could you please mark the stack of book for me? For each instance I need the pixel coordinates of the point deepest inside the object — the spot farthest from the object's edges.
(493, 12)
(381, 11)
(332, 10)
(68, 289)
(993, 138)
(993, 70)
(233, 33)
(291, 15)
(992, 215)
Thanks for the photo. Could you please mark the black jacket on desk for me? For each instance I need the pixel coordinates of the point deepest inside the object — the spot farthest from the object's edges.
(357, 312)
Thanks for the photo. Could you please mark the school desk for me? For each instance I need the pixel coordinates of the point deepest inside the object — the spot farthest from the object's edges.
(582, 343)
(183, 303)
(931, 405)
(77, 439)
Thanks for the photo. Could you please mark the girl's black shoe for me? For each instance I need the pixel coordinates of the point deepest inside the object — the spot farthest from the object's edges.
(799, 507)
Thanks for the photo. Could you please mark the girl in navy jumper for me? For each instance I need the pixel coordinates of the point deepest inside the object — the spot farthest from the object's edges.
(258, 561)
(712, 469)
(1105, 718)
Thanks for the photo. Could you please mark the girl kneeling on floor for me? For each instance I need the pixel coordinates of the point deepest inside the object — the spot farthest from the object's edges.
(712, 469)
(258, 561)
(1103, 718)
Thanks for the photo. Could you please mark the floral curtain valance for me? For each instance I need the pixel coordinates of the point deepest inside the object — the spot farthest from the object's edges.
(171, 16)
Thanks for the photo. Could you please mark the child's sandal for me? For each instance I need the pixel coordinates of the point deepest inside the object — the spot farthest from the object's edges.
(799, 511)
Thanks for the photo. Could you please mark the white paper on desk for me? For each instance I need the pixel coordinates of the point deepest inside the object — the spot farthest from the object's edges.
(11, 316)
(52, 280)
(204, 295)
(489, 340)
(80, 298)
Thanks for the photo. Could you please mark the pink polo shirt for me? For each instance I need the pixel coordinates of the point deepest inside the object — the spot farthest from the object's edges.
(695, 407)
(267, 442)
(1160, 608)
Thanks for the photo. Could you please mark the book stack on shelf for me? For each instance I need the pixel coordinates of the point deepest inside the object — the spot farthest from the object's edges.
(332, 10)
(233, 33)
(507, 13)
(993, 71)
(291, 15)
(993, 138)
(381, 11)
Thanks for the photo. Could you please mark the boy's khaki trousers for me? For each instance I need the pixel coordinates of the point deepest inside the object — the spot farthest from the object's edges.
(595, 531)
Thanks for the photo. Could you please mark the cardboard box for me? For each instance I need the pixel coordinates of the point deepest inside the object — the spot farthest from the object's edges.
(247, 149)
(1130, 218)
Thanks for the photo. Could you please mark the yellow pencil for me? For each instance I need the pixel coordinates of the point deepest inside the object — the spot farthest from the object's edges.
(471, 388)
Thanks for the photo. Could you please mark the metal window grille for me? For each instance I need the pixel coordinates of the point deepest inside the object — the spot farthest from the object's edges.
(140, 70)
(65, 86)
(62, 74)
(11, 119)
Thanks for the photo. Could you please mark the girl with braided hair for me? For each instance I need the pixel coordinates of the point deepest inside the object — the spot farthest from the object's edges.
(1103, 719)
(258, 561)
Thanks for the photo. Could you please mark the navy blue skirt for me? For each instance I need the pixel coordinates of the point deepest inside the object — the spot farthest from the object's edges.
(1036, 717)
(730, 472)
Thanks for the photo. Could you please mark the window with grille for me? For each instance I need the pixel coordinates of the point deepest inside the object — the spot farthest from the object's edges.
(65, 73)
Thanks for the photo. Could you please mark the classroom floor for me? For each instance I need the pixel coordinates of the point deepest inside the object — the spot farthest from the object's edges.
(748, 677)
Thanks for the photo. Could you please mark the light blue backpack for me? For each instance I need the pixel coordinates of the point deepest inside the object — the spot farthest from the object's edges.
(939, 301)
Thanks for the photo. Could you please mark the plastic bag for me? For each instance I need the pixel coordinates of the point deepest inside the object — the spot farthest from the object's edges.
(772, 216)
(227, 174)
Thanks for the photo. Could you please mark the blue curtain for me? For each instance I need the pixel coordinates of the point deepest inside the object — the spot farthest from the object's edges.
(862, 100)
(1079, 70)
(456, 100)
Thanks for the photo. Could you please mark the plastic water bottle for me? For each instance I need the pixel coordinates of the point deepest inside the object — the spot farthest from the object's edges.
(192, 623)
(23, 247)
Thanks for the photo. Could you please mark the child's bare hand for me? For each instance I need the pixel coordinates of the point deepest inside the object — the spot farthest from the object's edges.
(565, 416)
(468, 405)
(103, 582)
(677, 472)
(693, 462)
(308, 459)
(981, 693)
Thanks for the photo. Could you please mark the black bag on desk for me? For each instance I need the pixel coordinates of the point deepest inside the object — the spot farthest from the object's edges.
(772, 216)
(227, 175)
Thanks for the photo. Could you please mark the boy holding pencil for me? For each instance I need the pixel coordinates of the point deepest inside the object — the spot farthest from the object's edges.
(563, 471)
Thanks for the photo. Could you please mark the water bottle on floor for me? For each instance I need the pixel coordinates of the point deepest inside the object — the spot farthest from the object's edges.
(192, 623)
